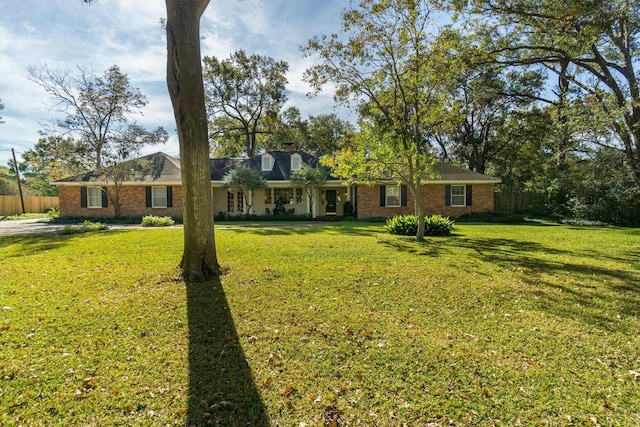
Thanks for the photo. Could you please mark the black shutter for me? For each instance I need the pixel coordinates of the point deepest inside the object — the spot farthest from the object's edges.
(403, 195)
(469, 191)
(383, 195)
(447, 195)
(83, 197)
(105, 200)
(169, 197)
(148, 196)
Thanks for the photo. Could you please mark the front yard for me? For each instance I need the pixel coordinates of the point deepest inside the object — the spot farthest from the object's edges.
(337, 324)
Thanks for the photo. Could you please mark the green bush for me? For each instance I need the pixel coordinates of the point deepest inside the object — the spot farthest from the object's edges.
(438, 225)
(84, 227)
(157, 221)
(53, 212)
(407, 225)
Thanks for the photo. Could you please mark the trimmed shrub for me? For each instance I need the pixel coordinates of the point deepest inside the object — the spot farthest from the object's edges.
(84, 227)
(438, 225)
(407, 225)
(157, 221)
(404, 225)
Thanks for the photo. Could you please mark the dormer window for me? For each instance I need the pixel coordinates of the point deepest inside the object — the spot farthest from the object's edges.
(296, 162)
(267, 162)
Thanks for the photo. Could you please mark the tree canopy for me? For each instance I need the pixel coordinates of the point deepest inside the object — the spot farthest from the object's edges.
(53, 157)
(243, 92)
(592, 47)
(99, 112)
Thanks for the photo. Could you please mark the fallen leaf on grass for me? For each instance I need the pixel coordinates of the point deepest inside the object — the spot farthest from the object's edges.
(289, 391)
(275, 360)
(332, 416)
(89, 383)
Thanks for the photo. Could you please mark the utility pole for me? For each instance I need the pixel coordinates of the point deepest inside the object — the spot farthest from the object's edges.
(15, 164)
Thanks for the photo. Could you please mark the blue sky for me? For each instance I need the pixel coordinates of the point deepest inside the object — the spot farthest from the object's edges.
(64, 34)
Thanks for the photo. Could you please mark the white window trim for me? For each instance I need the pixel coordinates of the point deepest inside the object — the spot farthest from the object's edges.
(90, 200)
(153, 197)
(267, 159)
(463, 195)
(296, 162)
(386, 196)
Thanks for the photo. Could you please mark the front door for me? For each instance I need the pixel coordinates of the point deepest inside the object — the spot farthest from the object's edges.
(331, 202)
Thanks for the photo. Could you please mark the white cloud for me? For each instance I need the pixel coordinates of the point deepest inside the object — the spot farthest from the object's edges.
(127, 33)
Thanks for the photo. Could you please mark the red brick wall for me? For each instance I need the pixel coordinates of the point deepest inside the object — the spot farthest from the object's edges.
(132, 200)
(433, 197)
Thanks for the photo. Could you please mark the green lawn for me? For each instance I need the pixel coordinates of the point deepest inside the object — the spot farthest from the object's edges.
(315, 325)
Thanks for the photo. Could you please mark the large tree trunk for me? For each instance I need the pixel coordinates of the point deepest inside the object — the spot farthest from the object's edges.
(184, 80)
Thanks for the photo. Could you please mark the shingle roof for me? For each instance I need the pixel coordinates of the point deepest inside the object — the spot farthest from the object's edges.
(452, 173)
(281, 170)
(154, 168)
(162, 168)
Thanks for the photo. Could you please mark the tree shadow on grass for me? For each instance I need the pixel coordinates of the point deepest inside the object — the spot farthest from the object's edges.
(31, 245)
(544, 268)
(221, 388)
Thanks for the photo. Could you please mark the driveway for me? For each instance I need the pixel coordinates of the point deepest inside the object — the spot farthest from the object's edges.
(26, 227)
(40, 227)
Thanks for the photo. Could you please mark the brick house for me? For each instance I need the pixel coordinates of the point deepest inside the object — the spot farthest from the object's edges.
(152, 186)
(156, 189)
(455, 192)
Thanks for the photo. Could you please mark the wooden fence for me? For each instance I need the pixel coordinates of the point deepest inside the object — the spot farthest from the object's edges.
(517, 202)
(10, 205)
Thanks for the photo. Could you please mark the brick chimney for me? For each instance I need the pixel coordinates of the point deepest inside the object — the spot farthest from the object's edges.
(288, 147)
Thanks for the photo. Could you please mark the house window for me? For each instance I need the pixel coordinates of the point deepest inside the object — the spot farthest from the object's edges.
(392, 196)
(159, 197)
(296, 162)
(268, 197)
(230, 199)
(267, 162)
(297, 196)
(94, 197)
(240, 200)
(285, 194)
(458, 195)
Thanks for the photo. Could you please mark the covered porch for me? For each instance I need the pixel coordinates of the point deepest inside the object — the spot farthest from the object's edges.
(328, 201)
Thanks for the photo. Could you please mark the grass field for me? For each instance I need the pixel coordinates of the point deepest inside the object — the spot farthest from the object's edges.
(339, 324)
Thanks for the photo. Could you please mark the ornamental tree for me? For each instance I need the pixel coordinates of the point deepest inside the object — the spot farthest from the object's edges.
(311, 179)
(245, 180)
(393, 69)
